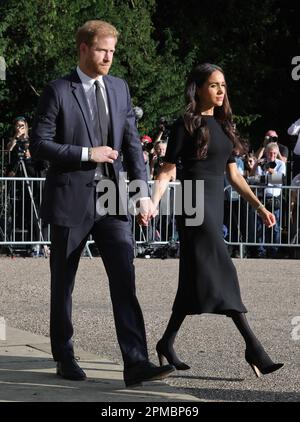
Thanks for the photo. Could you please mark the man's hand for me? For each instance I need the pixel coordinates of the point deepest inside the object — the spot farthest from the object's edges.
(146, 211)
(267, 217)
(103, 155)
(266, 141)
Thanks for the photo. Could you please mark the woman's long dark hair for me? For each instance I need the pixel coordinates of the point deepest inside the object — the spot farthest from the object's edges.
(193, 121)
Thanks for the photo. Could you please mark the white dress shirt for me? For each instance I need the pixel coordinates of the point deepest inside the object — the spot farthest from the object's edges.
(89, 90)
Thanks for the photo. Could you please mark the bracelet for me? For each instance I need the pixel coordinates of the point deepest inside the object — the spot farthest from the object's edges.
(260, 207)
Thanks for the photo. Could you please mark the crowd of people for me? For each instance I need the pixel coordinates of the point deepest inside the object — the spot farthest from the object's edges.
(270, 159)
(279, 163)
(267, 168)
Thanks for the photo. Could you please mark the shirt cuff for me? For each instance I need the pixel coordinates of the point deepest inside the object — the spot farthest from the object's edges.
(85, 154)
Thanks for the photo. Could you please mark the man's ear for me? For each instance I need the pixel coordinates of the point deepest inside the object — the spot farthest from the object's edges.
(83, 48)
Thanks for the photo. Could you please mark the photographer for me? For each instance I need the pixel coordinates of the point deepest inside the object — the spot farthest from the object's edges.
(160, 148)
(24, 196)
(18, 148)
(273, 170)
(271, 136)
(18, 145)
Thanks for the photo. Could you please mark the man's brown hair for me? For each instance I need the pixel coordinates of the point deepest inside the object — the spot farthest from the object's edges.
(94, 28)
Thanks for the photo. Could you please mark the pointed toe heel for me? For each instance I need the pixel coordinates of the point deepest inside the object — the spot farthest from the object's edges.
(261, 363)
(164, 354)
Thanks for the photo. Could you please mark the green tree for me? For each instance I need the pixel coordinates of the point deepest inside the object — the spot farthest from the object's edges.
(38, 43)
(254, 42)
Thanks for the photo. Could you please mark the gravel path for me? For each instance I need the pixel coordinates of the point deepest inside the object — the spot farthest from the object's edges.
(209, 343)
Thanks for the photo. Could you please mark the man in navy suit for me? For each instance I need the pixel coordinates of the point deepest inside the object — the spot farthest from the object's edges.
(83, 122)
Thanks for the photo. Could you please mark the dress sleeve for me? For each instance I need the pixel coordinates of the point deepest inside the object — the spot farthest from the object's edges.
(175, 142)
(231, 159)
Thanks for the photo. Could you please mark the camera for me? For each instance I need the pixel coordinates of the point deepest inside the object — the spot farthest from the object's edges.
(164, 126)
(271, 139)
(267, 165)
(160, 161)
(22, 145)
(272, 179)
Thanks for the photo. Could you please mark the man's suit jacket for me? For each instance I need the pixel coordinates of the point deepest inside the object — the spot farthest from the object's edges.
(62, 126)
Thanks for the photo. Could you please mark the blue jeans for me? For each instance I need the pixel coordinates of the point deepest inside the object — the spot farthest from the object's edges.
(268, 235)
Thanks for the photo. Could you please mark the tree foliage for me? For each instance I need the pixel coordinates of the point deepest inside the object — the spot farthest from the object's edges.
(38, 43)
(160, 41)
(253, 42)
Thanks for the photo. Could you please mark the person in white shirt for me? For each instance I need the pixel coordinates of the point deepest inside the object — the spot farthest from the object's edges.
(271, 198)
(294, 130)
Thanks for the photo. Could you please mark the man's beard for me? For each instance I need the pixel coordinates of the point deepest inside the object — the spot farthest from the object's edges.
(99, 69)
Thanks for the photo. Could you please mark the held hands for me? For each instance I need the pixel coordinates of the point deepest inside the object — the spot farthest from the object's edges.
(103, 154)
(146, 211)
(267, 217)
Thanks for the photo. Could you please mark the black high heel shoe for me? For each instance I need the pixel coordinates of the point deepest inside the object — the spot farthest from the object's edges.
(260, 362)
(164, 352)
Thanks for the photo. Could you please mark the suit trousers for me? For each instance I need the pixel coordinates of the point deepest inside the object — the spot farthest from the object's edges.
(113, 237)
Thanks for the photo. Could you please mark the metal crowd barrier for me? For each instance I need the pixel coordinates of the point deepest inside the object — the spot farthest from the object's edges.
(244, 227)
(20, 199)
(20, 225)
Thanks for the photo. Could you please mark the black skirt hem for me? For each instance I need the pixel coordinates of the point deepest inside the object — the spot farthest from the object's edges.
(225, 312)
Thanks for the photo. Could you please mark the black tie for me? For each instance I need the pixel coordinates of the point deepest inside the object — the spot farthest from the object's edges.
(101, 124)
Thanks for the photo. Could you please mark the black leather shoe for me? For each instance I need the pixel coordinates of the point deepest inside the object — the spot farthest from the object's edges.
(145, 371)
(70, 370)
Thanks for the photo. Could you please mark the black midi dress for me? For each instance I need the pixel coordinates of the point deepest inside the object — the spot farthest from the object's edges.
(208, 281)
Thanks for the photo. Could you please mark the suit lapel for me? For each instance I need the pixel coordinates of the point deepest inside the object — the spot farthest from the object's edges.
(112, 106)
(80, 97)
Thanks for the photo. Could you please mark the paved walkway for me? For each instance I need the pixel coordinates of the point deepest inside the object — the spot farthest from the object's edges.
(27, 374)
(210, 344)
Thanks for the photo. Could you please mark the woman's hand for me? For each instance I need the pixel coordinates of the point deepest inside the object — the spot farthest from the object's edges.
(146, 211)
(267, 217)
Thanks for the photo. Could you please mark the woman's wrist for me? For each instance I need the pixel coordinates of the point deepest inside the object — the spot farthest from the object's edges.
(260, 207)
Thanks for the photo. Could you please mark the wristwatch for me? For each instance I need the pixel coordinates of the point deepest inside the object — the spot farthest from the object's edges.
(90, 154)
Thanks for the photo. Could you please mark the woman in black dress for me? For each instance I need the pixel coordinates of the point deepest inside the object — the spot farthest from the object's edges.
(204, 139)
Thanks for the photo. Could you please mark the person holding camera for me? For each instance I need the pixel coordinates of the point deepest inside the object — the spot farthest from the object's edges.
(271, 136)
(21, 164)
(274, 170)
(18, 148)
(294, 130)
(160, 148)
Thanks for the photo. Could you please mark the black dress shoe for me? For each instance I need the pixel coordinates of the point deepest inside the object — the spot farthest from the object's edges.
(70, 370)
(145, 371)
